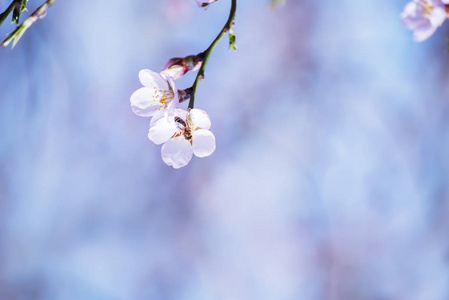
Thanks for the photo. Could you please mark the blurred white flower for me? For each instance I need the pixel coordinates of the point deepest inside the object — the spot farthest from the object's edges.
(184, 134)
(423, 17)
(158, 95)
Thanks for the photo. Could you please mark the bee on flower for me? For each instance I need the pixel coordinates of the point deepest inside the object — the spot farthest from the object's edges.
(184, 134)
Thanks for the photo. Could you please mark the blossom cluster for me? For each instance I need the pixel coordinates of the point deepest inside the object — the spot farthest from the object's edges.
(424, 17)
(182, 133)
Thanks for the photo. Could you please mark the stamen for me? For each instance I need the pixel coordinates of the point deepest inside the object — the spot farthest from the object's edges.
(426, 8)
(162, 96)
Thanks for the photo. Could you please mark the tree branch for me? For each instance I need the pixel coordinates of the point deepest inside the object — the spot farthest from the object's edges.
(39, 13)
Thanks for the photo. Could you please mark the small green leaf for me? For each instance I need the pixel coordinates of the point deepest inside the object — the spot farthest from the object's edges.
(19, 7)
(24, 4)
(232, 42)
(232, 36)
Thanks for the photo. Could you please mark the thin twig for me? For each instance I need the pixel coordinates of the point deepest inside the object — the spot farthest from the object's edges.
(39, 13)
(206, 54)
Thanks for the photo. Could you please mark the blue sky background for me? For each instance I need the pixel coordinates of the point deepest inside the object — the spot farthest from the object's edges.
(330, 178)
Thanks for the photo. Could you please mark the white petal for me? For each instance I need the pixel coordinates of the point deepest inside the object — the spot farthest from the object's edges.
(175, 72)
(177, 152)
(162, 131)
(158, 115)
(152, 79)
(179, 112)
(203, 142)
(175, 102)
(437, 16)
(199, 119)
(143, 103)
(171, 82)
(423, 33)
(411, 19)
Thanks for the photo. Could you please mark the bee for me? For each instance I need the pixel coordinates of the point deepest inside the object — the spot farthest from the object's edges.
(184, 127)
(180, 122)
(188, 134)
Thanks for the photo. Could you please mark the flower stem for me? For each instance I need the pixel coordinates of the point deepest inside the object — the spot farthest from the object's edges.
(206, 54)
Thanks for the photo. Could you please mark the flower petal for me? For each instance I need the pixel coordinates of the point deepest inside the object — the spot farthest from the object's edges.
(203, 142)
(179, 112)
(157, 115)
(177, 152)
(438, 16)
(199, 119)
(175, 101)
(410, 17)
(162, 131)
(176, 72)
(423, 33)
(143, 103)
(152, 79)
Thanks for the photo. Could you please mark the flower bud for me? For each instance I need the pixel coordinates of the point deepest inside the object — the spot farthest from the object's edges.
(177, 66)
(185, 95)
(204, 3)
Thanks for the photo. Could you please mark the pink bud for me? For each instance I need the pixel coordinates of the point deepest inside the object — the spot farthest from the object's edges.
(177, 66)
(204, 3)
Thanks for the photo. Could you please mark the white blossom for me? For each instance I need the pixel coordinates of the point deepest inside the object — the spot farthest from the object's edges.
(183, 134)
(423, 17)
(158, 95)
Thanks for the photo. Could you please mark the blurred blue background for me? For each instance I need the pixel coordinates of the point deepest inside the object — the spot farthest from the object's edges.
(330, 178)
